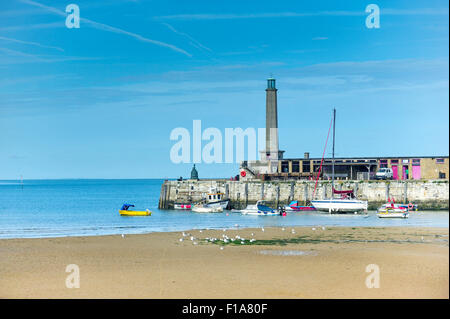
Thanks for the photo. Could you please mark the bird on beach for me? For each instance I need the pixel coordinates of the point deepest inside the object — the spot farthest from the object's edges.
(262, 229)
(123, 236)
(221, 248)
(181, 239)
(314, 228)
(323, 228)
(282, 229)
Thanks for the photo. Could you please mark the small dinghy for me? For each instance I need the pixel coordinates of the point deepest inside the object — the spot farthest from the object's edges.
(125, 212)
(205, 208)
(259, 209)
(296, 207)
(390, 214)
(182, 206)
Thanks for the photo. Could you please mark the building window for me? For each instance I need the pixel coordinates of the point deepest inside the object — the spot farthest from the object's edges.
(394, 161)
(439, 161)
(441, 175)
(383, 163)
(306, 166)
(295, 167)
(405, 161)
(285, 167)
(416, 162)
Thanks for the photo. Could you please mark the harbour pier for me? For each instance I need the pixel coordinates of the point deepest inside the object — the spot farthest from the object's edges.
(427, 194)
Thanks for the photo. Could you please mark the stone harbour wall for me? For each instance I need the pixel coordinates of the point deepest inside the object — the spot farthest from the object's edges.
(427, 194)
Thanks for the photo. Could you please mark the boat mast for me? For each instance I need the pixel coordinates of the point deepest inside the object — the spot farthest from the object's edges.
(332, 171)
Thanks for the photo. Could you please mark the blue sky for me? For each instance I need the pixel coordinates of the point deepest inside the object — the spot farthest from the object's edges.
(100, 101)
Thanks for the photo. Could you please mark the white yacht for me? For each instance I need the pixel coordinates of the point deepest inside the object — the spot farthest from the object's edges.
(344, 204)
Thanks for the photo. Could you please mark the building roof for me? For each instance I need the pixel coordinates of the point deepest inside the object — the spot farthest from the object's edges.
(363, 158)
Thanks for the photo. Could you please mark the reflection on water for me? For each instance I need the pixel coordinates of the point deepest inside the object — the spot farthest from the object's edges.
(52, 208)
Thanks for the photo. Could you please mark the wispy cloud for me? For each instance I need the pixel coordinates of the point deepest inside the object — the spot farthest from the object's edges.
(320, 38)
(29, 58)
(225, 16)
(194, 42)
(33, 26)
(109, 28)
(31, 43)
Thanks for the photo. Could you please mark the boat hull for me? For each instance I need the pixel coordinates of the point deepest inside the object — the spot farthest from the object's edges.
(259, 210)
(393, 215)
(182, 206)
(299, 208)
(339, 205)
(222, 204)
(207, 209)
(134, 213)
(261, 213)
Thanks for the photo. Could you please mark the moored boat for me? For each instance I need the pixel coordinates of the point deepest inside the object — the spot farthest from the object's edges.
(216, 199)
(135, 212)
(347, 203)
(259, 209)
(393, 214)
(295, 206)
(204, 208)
(182, 206)
(125, 212)
(340, 205)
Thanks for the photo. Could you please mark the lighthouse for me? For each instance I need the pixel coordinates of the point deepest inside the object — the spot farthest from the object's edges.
(272, 152)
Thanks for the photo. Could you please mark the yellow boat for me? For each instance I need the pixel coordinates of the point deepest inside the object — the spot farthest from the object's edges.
(135, 213)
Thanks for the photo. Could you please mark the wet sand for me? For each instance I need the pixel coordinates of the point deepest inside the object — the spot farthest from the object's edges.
(320, 263)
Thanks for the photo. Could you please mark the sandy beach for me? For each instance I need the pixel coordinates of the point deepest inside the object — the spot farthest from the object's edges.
(310, 263)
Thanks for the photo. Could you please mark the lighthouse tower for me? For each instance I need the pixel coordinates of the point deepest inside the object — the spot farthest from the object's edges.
(272, 152)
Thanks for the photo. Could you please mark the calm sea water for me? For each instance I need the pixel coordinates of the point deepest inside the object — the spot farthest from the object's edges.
(54, 208)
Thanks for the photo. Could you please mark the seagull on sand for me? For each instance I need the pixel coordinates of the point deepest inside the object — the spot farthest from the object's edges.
(123, 236)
